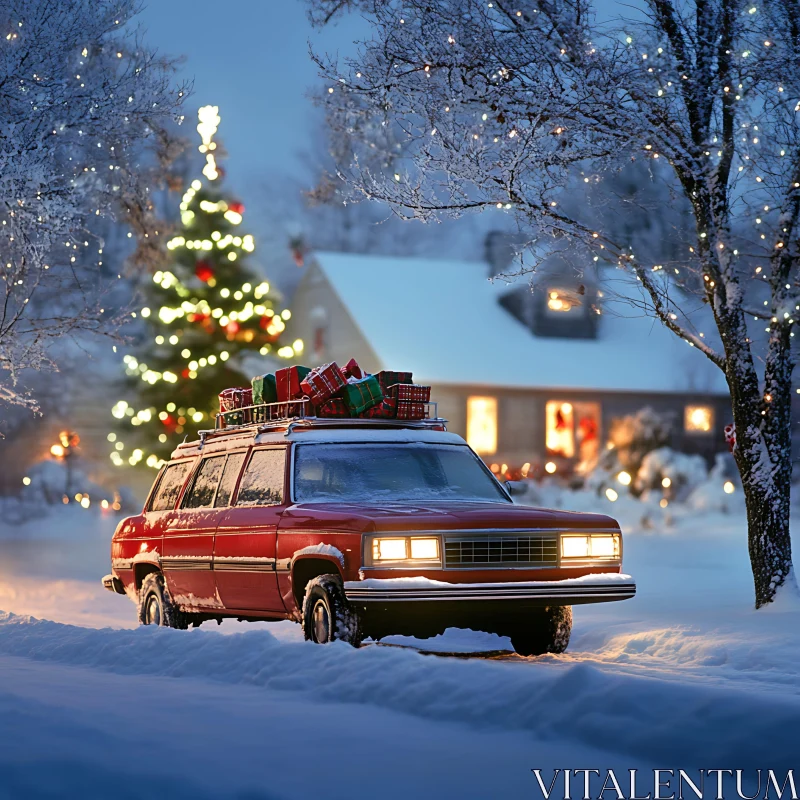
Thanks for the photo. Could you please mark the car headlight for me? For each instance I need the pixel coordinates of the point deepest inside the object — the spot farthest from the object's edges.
(408, 548)
(603, 545)
(389, 549)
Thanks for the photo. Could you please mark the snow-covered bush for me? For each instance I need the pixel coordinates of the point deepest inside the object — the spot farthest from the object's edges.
(672, 473)
(51, 480)
(636, 435)
(721, 490)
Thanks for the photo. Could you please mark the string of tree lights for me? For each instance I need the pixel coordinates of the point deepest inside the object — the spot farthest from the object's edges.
(201, 316)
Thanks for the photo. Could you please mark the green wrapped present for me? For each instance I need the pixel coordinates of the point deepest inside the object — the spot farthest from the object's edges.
(361, 395)
(264, 389)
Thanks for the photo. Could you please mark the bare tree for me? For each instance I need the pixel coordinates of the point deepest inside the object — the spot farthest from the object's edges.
(80, 94)
(505, 103)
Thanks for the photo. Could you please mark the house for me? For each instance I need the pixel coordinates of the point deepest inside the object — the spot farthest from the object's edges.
(526, 377)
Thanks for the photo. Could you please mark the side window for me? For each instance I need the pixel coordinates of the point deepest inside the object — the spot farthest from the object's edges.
(228, 482)
(204, 488)
(169, 486)
(262, 482)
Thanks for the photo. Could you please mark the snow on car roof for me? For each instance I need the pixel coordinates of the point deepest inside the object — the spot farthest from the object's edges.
(242, 437)
(469, 338)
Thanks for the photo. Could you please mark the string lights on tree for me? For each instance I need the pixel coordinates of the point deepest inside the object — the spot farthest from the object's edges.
(202, 314)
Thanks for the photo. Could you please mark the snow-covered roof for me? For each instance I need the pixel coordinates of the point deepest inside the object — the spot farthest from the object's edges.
(442, 320)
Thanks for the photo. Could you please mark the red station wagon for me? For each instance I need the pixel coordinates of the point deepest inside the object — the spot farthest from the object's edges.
(359, 528)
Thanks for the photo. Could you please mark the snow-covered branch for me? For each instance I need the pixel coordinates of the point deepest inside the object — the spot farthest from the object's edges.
(80, 95)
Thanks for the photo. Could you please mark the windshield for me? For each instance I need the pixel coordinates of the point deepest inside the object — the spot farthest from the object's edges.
(388, 472)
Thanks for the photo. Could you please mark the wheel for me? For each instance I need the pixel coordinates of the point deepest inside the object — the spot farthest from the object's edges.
(327, 616)
(156, 606)
(547, 632)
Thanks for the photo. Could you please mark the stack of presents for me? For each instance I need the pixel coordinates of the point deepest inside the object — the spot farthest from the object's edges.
(326, 391)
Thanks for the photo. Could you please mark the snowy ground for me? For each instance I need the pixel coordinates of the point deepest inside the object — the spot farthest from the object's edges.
(686, 675)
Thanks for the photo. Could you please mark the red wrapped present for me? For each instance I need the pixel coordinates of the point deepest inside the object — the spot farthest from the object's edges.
(386, 409)
(409, 410)
(287, 382)
(335, 407)
(410, 391)
(231, 400)
(387, 378)
(352, 370)
(322, 383)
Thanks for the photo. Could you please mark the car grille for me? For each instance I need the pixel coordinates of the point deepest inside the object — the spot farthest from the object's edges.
(500, 551)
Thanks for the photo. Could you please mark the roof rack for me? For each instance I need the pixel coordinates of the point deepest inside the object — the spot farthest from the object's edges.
(291, 415)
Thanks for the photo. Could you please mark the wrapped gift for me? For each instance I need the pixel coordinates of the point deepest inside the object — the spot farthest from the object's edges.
(386, 409)
(409, 410)
(287, 382)
(387, 378)
(335, 407)
(264, 389)
(322, 383)
(411, 392)
(352, 370)
(363, 394)
(231, 400)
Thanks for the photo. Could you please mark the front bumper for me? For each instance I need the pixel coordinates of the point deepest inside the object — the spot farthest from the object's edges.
(595, 588)
(113, 584)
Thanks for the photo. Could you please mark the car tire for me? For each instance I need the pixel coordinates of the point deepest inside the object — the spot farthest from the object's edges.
(548, 632)
(156, 606)
(327, 616)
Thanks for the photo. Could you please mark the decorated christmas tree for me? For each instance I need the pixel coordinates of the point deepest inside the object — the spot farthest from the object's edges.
(202, 315)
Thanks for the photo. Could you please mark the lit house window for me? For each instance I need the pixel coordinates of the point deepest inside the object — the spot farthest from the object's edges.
(560, 301)
(482, 424)
(572, 430)
(698, 419)
(560, 429)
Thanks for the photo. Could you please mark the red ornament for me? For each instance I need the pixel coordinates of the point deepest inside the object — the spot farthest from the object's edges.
(730, 436)
(232, 328)
(237, 208)
(185, 373)
(264, 322)
(204, 271)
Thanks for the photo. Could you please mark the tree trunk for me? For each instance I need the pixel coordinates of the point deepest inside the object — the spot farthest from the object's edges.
(768, 537)
(766, 481)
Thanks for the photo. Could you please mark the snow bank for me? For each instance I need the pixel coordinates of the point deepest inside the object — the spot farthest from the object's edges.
(454, 640)
(635, 716)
